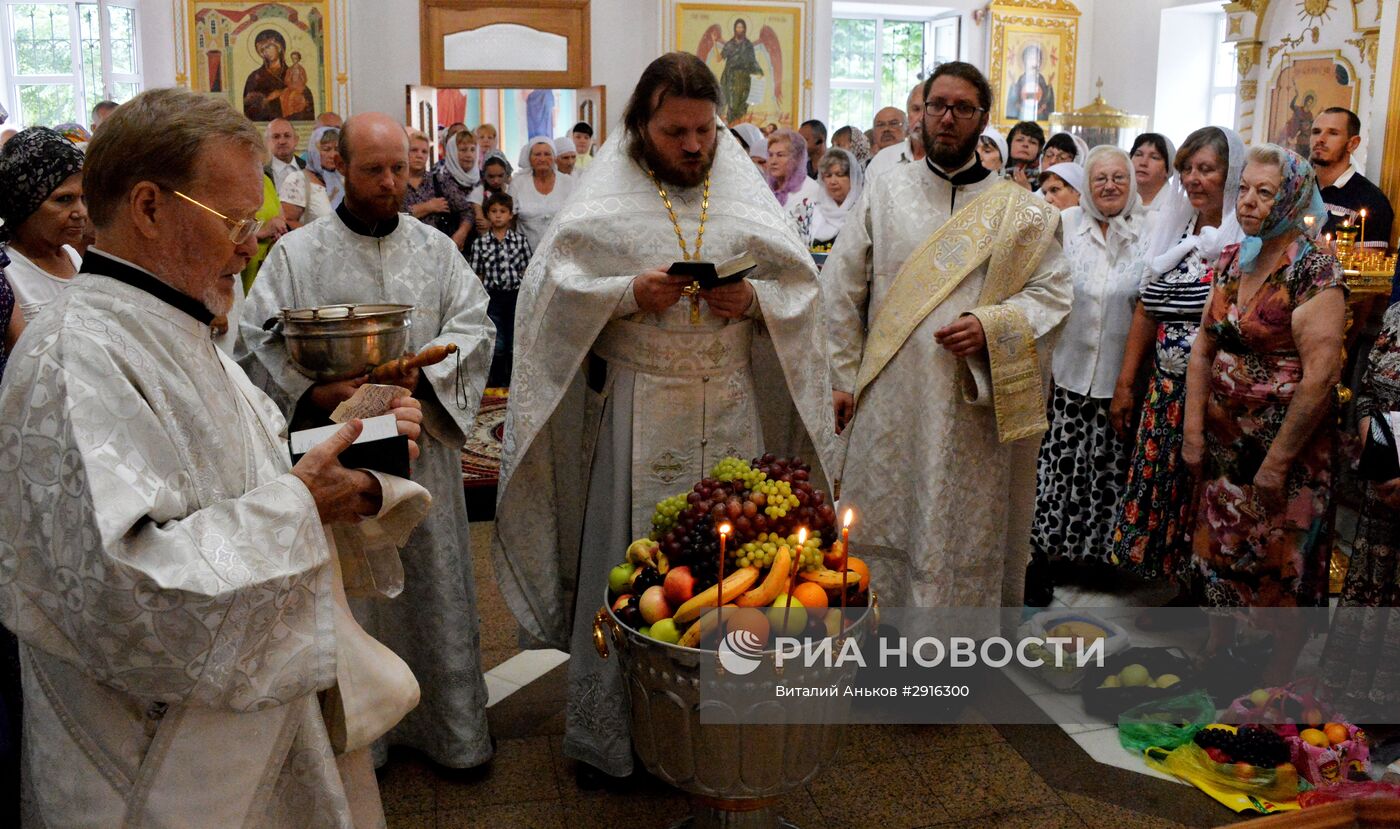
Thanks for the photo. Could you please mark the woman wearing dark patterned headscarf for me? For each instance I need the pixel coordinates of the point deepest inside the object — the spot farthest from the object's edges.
(41, 173)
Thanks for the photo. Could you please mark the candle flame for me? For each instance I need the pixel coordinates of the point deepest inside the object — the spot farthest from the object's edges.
(725, 529)
(1363, 213)
(802, 536)
(1309, 221)
(850, 515)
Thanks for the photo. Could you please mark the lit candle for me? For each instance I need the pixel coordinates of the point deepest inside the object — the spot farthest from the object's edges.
(792, 575)
(724, 530)
(845, 556)
(1362, 238)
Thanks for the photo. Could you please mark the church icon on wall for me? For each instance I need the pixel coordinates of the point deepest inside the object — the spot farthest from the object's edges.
(268, 59)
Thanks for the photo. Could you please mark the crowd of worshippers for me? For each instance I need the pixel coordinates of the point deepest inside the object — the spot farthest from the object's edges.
(1185, 304)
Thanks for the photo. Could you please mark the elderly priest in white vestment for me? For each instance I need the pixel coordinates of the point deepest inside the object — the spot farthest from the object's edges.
(961, 280)
(627, 389)
(173, 580)
(368, 252)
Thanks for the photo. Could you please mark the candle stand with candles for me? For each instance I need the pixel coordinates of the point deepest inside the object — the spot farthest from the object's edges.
(1368, 272)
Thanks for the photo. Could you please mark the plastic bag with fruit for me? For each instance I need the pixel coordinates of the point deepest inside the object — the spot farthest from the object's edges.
(1288, 708)
(1165, 723)
(1332, 754)
(1349, 791)
(1244, 787)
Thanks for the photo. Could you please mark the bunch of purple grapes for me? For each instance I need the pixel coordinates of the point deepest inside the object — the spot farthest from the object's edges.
(813, 511)
(730, 498)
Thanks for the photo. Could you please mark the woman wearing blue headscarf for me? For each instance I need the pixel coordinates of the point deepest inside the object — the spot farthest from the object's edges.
(318, 190)
(1261, 422)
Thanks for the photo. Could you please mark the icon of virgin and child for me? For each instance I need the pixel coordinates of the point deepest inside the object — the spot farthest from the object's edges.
(278, 88)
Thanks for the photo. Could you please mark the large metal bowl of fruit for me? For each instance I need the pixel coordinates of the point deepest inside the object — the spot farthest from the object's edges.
(710, 730)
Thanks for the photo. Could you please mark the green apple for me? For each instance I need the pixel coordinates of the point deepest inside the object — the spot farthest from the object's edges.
(646, 631)
(796, 617)
(665, 631)
(620, 577)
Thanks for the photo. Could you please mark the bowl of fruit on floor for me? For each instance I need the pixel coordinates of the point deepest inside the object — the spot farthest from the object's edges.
(696, 640)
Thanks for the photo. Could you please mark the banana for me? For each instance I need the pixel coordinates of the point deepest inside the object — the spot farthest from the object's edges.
(702, 627)
(829, 579)
(775, 583)
(735, 585)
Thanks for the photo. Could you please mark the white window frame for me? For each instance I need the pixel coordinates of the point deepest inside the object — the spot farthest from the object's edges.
(84, 98)
(1229, 85)
(880, 19)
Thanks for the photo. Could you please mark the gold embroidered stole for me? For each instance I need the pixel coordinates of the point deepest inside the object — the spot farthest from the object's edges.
(1012, 228)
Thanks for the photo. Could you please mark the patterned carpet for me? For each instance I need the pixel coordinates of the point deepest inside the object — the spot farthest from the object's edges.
(481, 459)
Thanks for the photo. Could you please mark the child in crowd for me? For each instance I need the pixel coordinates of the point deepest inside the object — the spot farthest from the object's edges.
(499, 258)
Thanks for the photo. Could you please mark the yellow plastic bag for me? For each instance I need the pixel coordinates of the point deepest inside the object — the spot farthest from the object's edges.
(1241, 787)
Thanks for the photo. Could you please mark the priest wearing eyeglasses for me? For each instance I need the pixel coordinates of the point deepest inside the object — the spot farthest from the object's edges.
(173, 580)
(942, 293)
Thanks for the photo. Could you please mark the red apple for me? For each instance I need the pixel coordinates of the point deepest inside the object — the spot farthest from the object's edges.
(653, 605)
(679, 586)
(751, 619)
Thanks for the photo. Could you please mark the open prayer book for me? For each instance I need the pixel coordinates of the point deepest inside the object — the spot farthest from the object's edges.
(711, 274)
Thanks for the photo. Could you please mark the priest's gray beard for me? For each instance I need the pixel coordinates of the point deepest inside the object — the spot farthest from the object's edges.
(645, 154)
(950, 158)
(218, 296)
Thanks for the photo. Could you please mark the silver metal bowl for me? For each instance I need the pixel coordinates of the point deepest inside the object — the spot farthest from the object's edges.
(337, 342)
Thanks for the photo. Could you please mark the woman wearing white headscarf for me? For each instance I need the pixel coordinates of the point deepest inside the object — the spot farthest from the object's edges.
(1083, 463)
(757, 143)
(992, 149)
(1064, 147)
(540, 195)
(1063, 185)
(458, 179)
(842, 181)
(565, 155)
(1194, 223)
(1152, 155)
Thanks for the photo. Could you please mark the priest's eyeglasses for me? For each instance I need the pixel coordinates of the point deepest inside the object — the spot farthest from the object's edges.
(239, 230)
(961, 110)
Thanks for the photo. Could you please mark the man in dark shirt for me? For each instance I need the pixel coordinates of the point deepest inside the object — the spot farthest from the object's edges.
(1336, 133)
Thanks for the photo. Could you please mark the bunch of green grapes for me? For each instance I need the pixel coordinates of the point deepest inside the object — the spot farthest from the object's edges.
(810, 555)
(759, 552)
(779, 498)
(730, 469)
(667, 510)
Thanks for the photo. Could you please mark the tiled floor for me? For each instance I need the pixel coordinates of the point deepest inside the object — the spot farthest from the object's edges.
(966, 775)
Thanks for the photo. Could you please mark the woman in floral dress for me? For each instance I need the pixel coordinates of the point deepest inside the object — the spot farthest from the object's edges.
(1361, 665)
(1151, 535)
(1261, 409)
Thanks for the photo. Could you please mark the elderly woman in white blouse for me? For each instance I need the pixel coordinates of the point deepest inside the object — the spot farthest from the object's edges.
(1083, 463)
(541, 194)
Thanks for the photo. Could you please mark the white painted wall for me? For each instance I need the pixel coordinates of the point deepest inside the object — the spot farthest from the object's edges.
(385, 54)
(1182, 91)
(155, 20)
(1124, 50)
